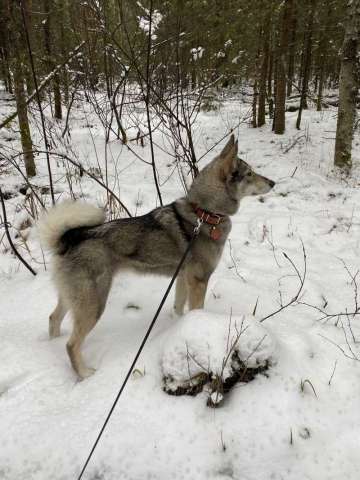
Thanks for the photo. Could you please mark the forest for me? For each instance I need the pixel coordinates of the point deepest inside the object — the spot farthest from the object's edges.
(125, 105)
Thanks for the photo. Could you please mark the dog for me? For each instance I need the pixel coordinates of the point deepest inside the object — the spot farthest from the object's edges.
(88, 251)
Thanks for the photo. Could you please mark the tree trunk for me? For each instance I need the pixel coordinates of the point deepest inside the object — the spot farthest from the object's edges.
(26, 142)
(292, 45)
(29, 81)
(49, 47)
(254, 102)
(264, 70)
(18, 60)
(5, 68)
(64, 43)
(256, 84)
(322, 59)
(270, 74)
(280, 94)
(307, 62)
(348, 87)
(5, 44)
(322, 55)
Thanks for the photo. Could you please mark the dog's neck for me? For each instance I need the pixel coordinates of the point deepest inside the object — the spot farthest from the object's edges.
(218, 202)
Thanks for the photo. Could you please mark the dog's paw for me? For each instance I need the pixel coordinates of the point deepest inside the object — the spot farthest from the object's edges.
(86, 372)
(178, 311)
(53, 334)
(54, 330)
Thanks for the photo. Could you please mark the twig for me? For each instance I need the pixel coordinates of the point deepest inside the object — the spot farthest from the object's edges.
(333, 372)
(304, 382)
(292, 145)
(68, 111)
(340, 348)
(301, 286)
(83, 170)
(26, 180)
(6, 226)
(255, 307)
(234, 263)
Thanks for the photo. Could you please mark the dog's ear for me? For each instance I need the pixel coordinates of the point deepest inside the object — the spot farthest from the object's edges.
(230, 144)
(228, 158)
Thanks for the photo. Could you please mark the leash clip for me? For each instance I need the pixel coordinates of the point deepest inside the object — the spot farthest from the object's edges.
(197, 227)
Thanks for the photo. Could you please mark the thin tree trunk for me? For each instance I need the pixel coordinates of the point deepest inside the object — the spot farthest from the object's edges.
(292, 45)
(321, 79)
(26, 68)
(264, 70)
(105, 55)
(348, 87)
(17, 55)
(5, 44)
(280, 95)
(256, 84)
(302, 63)
(270, 74)
(5, 69)
(254, 102)
(307, 63)
(49, 51)
(57, 97)
(26, 142)
(323, 51)
(63, 16)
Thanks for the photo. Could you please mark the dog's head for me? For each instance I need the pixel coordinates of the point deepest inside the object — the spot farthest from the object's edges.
(221, 185)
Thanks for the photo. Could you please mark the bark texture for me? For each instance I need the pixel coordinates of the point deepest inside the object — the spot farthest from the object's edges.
(348, 87)
(18, 60)
(280, 92)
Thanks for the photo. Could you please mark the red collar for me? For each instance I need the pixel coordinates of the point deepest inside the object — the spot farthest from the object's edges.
(208, 217)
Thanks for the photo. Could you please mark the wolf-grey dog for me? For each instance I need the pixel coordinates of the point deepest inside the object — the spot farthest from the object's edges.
(88, 251)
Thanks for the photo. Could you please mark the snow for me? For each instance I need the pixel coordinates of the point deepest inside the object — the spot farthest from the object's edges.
(197, 53)
(202, 341)
(298, 422)
(144, 22)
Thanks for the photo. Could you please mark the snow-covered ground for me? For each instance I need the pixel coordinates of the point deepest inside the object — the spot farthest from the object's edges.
(301, 421)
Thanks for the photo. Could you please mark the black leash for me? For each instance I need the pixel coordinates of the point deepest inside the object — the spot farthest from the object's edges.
(188, 248)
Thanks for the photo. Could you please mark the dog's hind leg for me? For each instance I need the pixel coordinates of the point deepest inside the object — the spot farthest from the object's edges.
(56, 318)
(84, 322)
(86, 313)
(180, 294)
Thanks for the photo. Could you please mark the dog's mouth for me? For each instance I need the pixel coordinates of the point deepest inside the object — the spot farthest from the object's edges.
(270, 184)
(267, 187)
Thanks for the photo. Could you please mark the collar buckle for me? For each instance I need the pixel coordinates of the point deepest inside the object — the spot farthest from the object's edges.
(217, 217)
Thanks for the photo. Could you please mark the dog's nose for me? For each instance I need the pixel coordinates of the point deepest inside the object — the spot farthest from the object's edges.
(271, 183)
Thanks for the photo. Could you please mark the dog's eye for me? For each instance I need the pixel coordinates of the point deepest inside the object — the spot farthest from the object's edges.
(236, 176)
(249, 173)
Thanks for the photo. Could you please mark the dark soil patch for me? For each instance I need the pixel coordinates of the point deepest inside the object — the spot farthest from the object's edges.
(214, 384)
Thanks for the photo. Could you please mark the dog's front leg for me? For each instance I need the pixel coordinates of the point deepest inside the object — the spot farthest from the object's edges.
(197, 290)
(181, 294)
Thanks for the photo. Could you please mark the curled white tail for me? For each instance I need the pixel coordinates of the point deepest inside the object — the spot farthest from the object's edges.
(64, 217)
